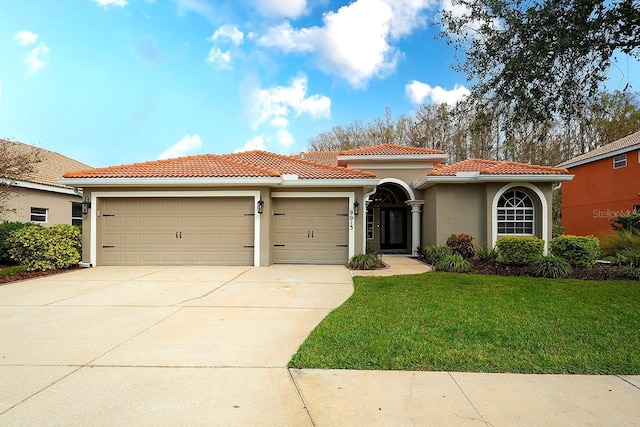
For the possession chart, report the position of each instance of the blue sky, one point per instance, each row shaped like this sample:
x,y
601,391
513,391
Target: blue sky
x,y
118,81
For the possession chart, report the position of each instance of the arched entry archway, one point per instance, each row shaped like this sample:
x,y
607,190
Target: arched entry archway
x,y
389,220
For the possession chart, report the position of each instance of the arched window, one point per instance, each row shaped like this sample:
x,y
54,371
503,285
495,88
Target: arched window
x,y
516,213
384,195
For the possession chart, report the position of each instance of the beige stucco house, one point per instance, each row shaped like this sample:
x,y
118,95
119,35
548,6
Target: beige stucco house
x,y
259,208
39,197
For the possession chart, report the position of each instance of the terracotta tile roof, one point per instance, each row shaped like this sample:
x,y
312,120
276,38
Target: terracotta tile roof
x,y
593,155
326,157
206,165
492,167
50,167
247,164
303,168
387,150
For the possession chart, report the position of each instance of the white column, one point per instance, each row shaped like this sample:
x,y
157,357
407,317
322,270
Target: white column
x,y
416,209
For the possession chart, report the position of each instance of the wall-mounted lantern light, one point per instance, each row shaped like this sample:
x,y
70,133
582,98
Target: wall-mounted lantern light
x,y
356,207
86,204
260,206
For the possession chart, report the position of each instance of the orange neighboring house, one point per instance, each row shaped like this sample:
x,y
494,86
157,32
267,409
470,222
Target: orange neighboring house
x,y
606,184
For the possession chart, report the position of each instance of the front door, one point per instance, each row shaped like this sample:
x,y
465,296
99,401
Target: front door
x,y
393,228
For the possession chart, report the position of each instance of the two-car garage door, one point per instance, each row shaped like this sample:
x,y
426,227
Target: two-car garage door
x,y
176,231
220,230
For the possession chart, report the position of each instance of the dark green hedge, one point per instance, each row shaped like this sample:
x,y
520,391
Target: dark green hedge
x,y
579,251
519,250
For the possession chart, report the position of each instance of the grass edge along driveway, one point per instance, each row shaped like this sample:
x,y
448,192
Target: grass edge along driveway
x,y
476,323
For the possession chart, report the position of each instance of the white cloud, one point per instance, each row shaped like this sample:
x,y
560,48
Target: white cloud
x,y
37,58
356,42
281,8
279,122
184,147
280,101
459,11
419,92
285,138
219,59
25,37
200,7
228,32
108,3
256,143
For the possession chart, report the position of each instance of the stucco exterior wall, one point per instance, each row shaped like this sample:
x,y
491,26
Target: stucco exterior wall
x,y
58,205
429,227
460,209
599,192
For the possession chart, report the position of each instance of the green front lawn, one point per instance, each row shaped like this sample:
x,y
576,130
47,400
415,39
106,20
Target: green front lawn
x,y
477,323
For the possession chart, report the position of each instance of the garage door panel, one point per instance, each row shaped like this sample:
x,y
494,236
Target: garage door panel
x,y
308,229
214,231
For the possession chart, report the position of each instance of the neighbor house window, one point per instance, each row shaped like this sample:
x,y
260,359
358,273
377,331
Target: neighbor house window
x,y
620,161
515,213
39,214
76,213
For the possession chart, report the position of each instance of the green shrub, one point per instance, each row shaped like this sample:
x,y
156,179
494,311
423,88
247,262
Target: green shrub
x,y
368,261
453,264
519,250
629,222
628,257
485,254
579,251
46,248
6,230
631,273
434,253
551,267
617,241
461,244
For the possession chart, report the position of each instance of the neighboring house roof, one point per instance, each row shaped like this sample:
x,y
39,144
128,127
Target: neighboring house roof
x,y
326,157
478,170
50,166
620,146
388,150
252,164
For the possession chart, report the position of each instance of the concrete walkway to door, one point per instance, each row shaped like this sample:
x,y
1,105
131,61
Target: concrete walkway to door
x,y
114,346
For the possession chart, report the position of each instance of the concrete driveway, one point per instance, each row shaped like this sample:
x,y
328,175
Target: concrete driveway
x,y
161,345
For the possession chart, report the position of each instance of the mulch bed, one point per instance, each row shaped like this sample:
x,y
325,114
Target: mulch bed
x,y
597,272
8,278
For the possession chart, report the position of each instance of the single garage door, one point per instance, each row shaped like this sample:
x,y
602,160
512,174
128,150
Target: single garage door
x,y
311,230
176,231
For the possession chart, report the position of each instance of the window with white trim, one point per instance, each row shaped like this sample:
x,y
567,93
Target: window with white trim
x,y
39,215
619,161
516,213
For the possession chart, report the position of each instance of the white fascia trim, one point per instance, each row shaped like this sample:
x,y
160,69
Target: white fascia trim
x,y
396,157
41,187
543,203
327,194
97,195
600,157
164,182
364,182
429,180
